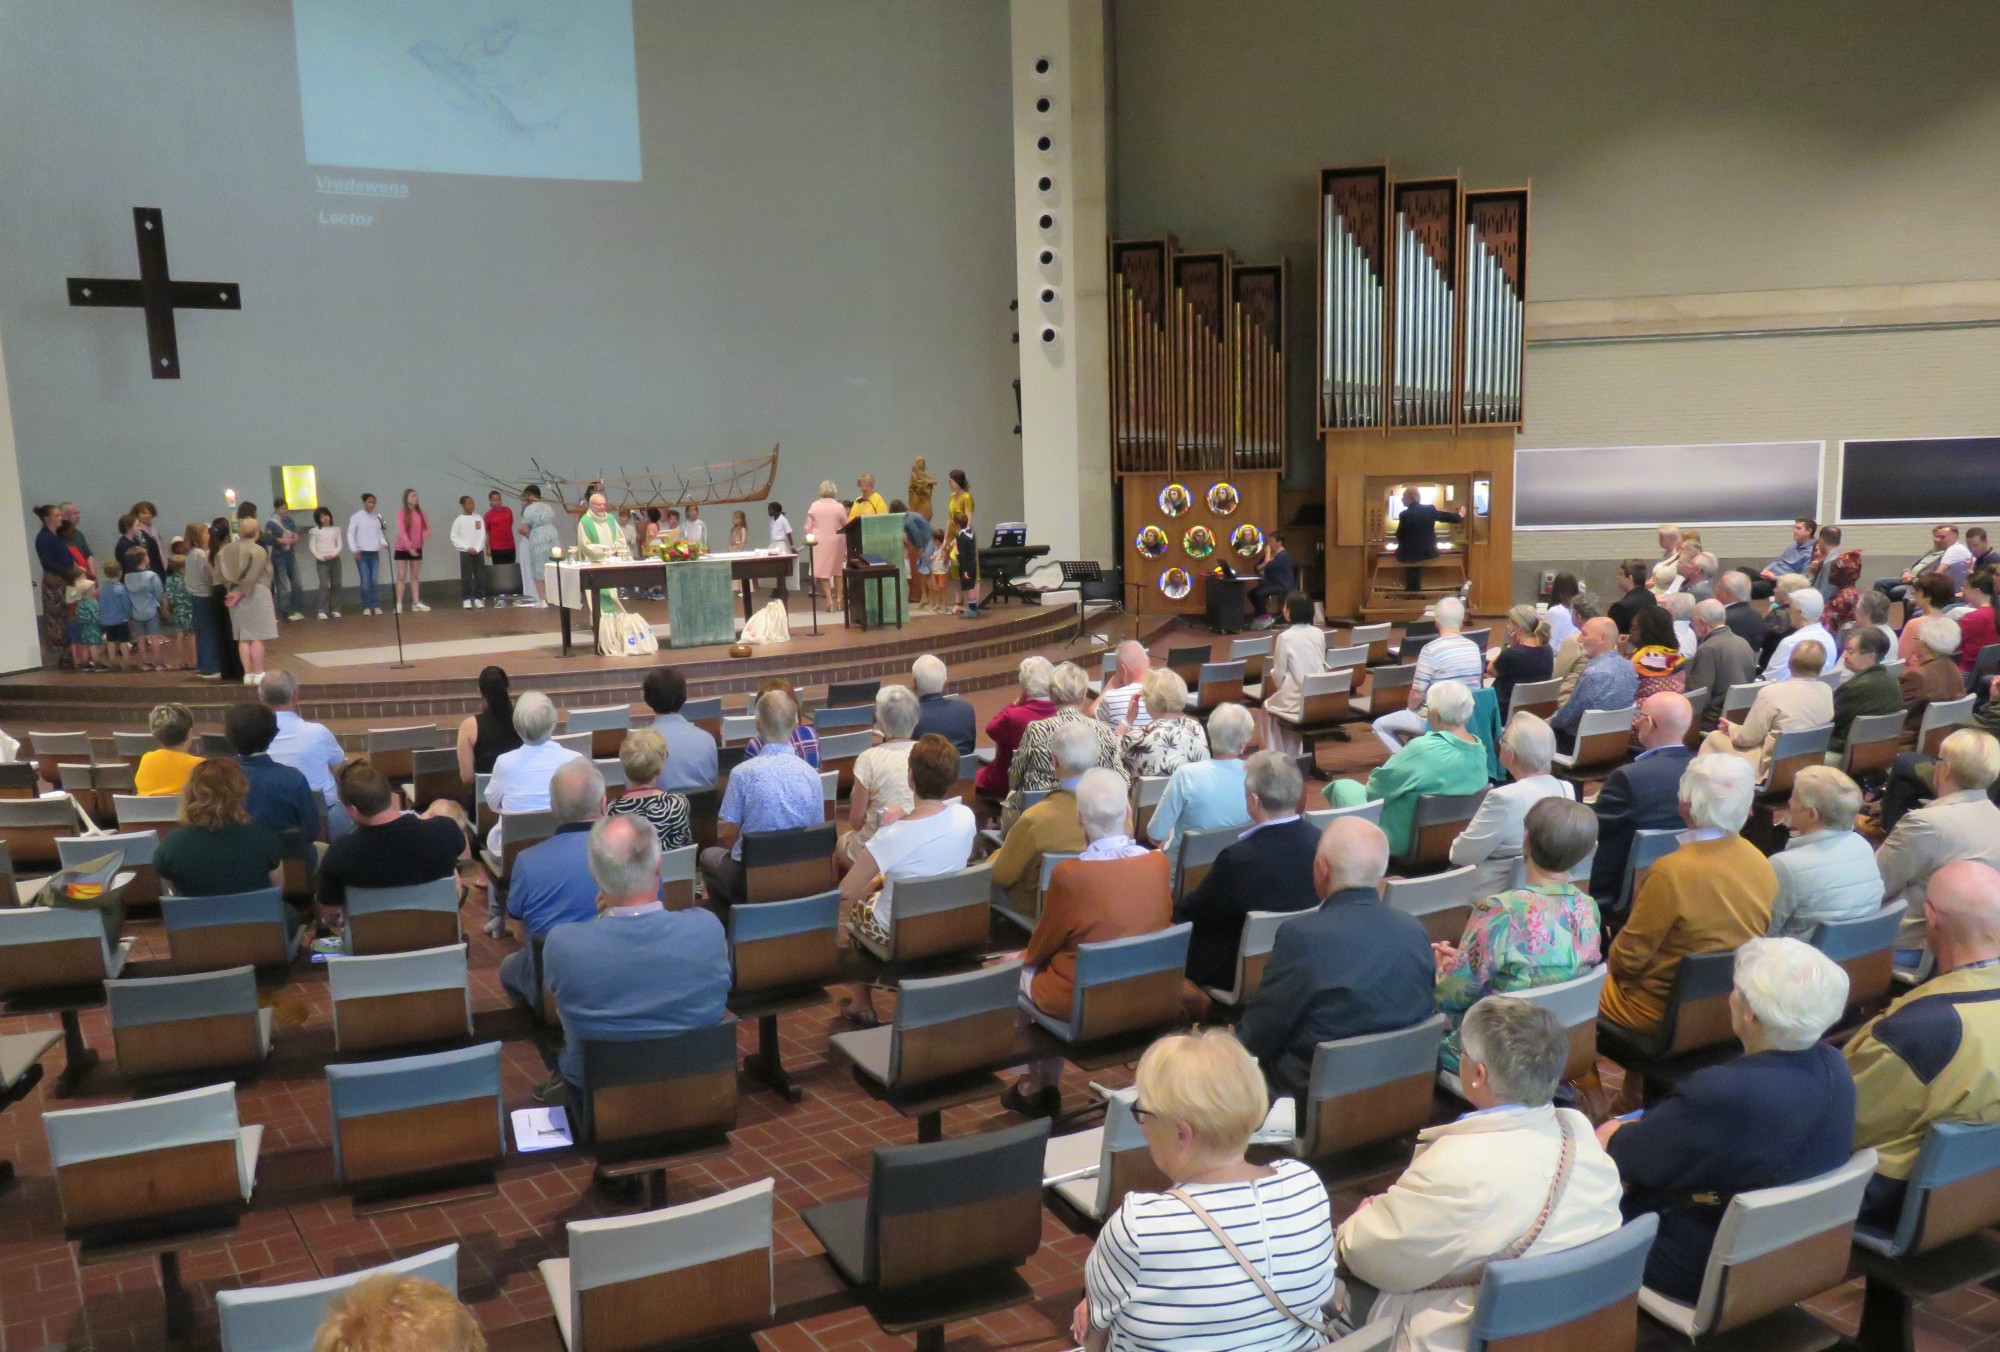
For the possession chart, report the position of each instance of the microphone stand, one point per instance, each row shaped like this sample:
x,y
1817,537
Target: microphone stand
x,y
395,602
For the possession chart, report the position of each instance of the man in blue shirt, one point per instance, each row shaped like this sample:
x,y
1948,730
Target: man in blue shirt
x,y
636,970
551,885
946,715
1794,560
691,754
772,791
1607,680
280,798
280,538
309,748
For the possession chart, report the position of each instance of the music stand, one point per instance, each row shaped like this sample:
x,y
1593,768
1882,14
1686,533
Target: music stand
x,y
1077,572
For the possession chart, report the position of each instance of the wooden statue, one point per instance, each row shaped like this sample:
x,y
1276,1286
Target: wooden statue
x,y
921,484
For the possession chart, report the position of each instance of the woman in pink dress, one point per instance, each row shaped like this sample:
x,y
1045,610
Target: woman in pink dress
x,y
824,520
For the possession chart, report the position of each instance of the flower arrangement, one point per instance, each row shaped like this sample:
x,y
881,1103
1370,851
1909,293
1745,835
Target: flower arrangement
x,y
678,551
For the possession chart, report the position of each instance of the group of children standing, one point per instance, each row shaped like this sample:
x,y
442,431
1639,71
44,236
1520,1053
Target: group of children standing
x,y
119,622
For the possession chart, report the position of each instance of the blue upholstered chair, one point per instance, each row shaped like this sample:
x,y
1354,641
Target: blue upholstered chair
x,y
1574,1003
1792,752
1093,1170
285,1318
401,919
1253,950
644,1098
1586,1296
666,1278
1122,986
936,917
1219,683
253,929
839,751
1865,948
705,713
1440,902
1694,1031
1002,901
137,877
417,1115
1370,1088
1940,1241
394,999
173,1025
1436,820
946,1029
31,827
1603,739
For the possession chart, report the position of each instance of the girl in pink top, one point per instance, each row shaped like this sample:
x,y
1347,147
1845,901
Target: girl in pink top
x,y
412,529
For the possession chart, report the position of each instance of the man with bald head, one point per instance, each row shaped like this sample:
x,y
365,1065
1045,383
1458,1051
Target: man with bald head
x,y
1934,1055
1607,680
550,884
1722,658
1351,967
1642,796
1120,701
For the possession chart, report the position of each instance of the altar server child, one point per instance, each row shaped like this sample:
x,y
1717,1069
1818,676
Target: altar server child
x,y
146,593
781,540
86,622
693,529
114,607
739,533
935,567
468,538
180,608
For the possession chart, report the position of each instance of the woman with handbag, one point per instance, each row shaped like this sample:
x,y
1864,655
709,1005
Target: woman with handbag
x,y
1236,1255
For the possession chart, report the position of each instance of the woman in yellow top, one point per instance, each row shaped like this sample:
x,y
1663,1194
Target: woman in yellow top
x,y
165,771
961,497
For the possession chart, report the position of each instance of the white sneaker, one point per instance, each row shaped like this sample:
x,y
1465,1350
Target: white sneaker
x,y
335,614
251,678
479,605
322,614
465,605
295,615
419,606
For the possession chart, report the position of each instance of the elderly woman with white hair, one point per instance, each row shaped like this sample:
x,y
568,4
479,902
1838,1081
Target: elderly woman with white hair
x,y
1049,827
1169,738
1781,1113
881,773
1492,839
1114,889
1792,703
1006,728
1826,871
520,779
1160,1275
1033,769
1206,793
1711,894
1489,1186
1448,759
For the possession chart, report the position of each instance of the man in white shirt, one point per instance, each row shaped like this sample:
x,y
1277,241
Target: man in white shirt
x,y
1956,561
366,540
520,779
693,529
1806,607
468,539
1122,689
1493,838
1448,657
309,748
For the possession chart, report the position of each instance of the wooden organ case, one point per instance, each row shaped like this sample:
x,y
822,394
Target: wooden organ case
x,y
1421,301
1197,415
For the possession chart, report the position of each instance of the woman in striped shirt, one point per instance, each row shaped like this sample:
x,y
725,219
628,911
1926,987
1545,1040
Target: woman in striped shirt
x,y
1159,1279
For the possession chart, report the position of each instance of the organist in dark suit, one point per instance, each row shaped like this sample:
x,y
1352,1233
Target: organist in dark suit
x,y
1416,535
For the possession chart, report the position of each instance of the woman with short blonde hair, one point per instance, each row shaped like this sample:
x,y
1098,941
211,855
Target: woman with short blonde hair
x,y
643,754
395,1312
165,769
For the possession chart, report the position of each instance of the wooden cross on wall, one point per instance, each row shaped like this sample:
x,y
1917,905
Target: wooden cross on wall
x,y
156,293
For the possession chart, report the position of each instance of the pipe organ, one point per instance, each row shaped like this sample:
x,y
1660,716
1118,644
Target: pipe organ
x,y
1496,275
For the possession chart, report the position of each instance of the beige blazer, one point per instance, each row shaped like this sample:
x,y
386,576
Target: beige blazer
x,y
1781,706
1962,825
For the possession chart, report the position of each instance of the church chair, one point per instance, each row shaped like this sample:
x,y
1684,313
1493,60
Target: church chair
x,y
839,751
948,1036
1574,1003
1091,1171
677,1277
1220,683
31,826
738,728
1339,658
94,786
1441,902
704,805
392,750
285,1318
158,814
50,749
1253,652
245,929
213,745
705,714
607,728
399,999
1793,752
519,831
1373,637
1872,743
1146,793
130,746
19,780
829,794
1774,1248
1389,688
1186,662
576,742
613,771
1322,817
1603,740
849,694
57,958
1941,718
1253,951
1694,1032
433,775
782,954
1001,901
401,919
418,1120
677,870
1326,703
1195,854
1894,666
1415,634
1124,987
10,885
1540,698
1437,821
177,1025
504,581
1941,1241
1737,702
1985,666
860,716
939,917
154,1176
727,758
136,873
963,788
20,1071
1649,846
1865,948
646,1099
783,865
1478,638
484,818
941,1230
1371,1088
1581,1297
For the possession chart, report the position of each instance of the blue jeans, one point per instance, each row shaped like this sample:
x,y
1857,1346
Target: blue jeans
x,y
285,581
365,565
206,659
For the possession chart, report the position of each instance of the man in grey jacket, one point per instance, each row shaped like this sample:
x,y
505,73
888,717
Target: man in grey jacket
x,y
1721,659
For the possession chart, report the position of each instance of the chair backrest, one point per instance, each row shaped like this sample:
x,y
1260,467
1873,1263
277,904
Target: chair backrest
x,y
1125,1163
416,1114
1954,1187
1478,638
52,948
138,849
30,827
51,747
1340,658
205,934
607,727
395,999
1778,1246
1322,817
1649,846
838,752
1370,1088
674,1276
646,1096
19,780
1865,948
774,945
172,1024
1252,652
797,862
1413,645
1196,854
1326,696
1942,717
1389,686
10,891
393,750
964,1205
943,914
1221,683
1436,821
1126,984
706,714
1440,902
133,744
1147,790
160,812
846,694
1186,662
677,870
860,716
285,1318
950,1024
1540,698
1253,951
1603,736
968,770
738,728
703,807
1373,637
582,743
434,775
1872,743
1739,699
1586,1296
1697,1013
613,771
1574,1003
1794,751
829,792
401,919
520,830
149,1159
